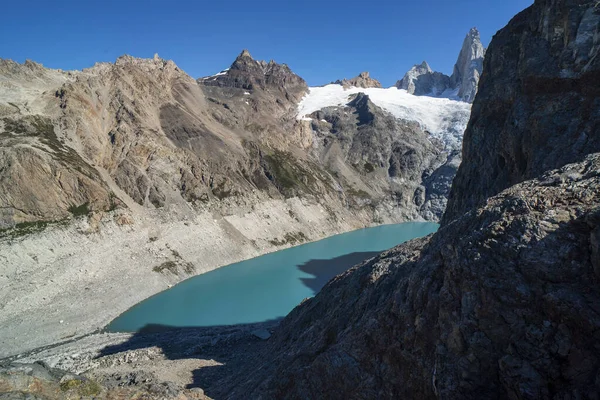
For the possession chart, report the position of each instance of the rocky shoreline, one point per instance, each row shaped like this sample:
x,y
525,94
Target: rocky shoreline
x,y
159,362
69,281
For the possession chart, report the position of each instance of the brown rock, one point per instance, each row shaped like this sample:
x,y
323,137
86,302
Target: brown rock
x,y
363,80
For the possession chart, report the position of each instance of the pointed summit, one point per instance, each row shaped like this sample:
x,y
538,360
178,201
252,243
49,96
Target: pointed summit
x,y
424,66
245,53
421,80
249,74
468,67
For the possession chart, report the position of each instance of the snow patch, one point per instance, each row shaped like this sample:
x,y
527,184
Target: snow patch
x,y
443,118
213,77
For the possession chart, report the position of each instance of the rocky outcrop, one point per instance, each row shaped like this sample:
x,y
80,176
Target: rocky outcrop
x,y
391,159
468,67
502,301
538,106
421,80
39,381
363,80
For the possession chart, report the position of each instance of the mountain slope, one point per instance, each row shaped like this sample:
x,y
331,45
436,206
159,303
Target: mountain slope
x,y
110,172
407,146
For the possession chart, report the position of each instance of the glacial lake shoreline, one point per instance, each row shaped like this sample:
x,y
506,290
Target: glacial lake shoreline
x,y
263,289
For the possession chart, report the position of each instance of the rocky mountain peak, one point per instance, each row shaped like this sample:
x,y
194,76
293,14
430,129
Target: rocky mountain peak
x,y
424,66
468,67
363,80
250,74
245,54
421,80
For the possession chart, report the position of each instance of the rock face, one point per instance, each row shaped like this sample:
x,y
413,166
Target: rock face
x,y
539,103
396,157
502,301
468,67
363,80
421,80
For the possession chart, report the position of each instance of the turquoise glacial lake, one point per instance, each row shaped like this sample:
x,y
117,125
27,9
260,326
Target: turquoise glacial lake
x,y
267,287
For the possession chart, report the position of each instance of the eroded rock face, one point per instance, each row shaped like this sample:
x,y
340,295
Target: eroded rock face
x,y
141,132
538,105
144,127
363,80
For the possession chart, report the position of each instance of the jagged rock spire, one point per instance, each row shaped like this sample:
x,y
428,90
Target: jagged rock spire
x,y
468,67
421,80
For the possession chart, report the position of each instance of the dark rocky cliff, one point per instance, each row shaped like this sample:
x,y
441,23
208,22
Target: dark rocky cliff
x,y
503,301
538,106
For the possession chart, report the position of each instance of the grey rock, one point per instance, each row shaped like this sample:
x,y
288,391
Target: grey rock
x,y
397,158
261,334
468,67
421,80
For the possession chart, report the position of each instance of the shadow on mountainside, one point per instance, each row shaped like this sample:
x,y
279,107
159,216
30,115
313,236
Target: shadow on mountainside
x,y
219,350
324,270
530,275
186,342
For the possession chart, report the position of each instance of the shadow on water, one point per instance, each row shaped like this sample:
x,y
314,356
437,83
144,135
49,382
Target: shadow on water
x,y
232,347
324,270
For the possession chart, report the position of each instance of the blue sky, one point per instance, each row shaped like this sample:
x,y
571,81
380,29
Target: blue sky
x,y
320,40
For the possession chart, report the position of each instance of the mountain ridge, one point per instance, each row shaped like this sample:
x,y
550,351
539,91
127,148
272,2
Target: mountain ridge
x,y
138,157
421,80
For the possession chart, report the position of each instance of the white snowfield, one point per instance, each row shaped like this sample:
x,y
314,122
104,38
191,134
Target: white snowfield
x,y
444,119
